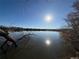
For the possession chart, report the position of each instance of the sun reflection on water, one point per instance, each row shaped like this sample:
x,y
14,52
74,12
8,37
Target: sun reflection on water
x,y
47,41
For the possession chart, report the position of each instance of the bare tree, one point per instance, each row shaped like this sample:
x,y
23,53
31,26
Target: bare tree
x,y
72,36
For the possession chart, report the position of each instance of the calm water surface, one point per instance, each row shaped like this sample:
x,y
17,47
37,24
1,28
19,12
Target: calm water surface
x,y
41,45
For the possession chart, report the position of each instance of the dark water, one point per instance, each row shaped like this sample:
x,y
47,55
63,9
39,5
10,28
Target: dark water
x,y
41,45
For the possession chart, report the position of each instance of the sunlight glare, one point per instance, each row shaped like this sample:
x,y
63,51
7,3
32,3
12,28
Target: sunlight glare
x,y
48,18
47,42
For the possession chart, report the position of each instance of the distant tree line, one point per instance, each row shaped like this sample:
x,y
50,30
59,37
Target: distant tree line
x,y
6,28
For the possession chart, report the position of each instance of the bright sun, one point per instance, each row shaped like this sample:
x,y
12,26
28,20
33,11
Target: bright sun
x,y
48,18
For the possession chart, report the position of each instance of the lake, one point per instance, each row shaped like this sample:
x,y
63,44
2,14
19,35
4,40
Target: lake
x,y
41,45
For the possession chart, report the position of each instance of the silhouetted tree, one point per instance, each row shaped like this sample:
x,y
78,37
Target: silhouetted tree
x,y
73,23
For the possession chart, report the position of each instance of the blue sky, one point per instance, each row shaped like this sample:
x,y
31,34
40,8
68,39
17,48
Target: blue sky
x,y
31,13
